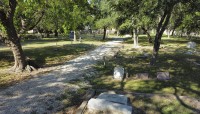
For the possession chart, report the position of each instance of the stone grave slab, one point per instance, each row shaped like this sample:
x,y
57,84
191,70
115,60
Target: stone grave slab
x,y
122,99
163,76
118,73
142,76
95,105
191,45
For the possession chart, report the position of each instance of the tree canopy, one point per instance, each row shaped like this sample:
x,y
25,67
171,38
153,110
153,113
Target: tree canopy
x,y
62,16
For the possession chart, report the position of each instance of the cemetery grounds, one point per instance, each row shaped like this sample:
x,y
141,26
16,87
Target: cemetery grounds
x,y
180,94
177,95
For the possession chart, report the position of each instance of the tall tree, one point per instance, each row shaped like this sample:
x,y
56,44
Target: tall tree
x,y
156,10
105,16
7,11
165,7
10,19
135,12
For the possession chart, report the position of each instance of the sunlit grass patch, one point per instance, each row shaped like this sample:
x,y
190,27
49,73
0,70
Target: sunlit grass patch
x,y
45,52
156,104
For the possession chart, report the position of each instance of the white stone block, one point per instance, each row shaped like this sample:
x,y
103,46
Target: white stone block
x,y
191,45
122,99
118,73
95,105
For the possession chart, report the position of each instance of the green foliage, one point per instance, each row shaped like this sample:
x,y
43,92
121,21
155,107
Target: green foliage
x,y
65,15
105,16
2,31
185,17
28,14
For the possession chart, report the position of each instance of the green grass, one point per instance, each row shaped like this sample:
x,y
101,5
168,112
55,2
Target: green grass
x,y
45,52
158,104
185,76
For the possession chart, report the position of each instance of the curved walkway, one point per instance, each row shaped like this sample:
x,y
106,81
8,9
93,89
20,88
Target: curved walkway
x,y
36,94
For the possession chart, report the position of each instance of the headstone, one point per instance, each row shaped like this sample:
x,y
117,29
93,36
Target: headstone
x,y
80,39
163,76
104,61
189,52
118,73
146,54
122,99
95,105
198,64
143,76
191,45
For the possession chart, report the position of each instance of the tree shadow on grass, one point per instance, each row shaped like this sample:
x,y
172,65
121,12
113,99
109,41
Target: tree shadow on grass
x,y
52,55
185,104
184,75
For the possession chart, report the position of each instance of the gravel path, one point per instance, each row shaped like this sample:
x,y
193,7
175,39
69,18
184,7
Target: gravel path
x,y
40,92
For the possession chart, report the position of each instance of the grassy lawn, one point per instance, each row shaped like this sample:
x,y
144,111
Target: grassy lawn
x,y
45,52
185,75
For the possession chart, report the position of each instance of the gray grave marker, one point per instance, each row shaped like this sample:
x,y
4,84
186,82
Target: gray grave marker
x,y
163,76
142,76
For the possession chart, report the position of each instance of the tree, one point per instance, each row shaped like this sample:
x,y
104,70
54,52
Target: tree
x,y
104,15
18,16
159,10
135,16
8,11
166,6
190,21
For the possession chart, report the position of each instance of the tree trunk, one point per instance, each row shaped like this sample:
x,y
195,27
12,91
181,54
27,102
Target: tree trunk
x,y
168,33
173,32
20,61
56,33
117,32
74,35
159,32
148,35
47,33
12,40
104,33
135,38
15,45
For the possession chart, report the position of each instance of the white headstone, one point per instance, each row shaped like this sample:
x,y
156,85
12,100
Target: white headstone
x,y
103,105
163,76
122,99
191,45
118,73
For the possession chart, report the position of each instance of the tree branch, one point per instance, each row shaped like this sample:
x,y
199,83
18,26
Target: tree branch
x,y
161,21
34,25
12,5
149,36
165,23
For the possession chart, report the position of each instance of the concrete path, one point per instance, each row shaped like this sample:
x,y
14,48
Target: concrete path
x,y
40,92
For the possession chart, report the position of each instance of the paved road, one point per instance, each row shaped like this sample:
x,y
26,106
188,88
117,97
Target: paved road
x,y
40,92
